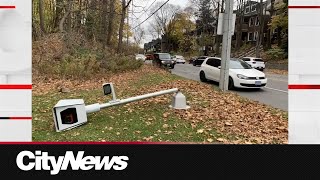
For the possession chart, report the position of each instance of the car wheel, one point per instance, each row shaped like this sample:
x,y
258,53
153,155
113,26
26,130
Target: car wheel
x,y
194,63
230,84
183,63
203,76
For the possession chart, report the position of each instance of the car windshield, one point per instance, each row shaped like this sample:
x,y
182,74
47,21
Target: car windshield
x,y
165,56
239,64
259,60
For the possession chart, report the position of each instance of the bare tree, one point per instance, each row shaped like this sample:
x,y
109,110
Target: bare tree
x,y
110,21
41,17
240,14
138,35
162,18
271,11
123,16
67,13
260,32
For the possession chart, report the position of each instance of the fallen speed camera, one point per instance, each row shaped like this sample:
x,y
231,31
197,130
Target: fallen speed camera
x,y
69,114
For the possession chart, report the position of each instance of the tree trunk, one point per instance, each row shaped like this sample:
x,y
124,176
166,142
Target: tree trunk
x,y
58,12
123,16
69,20
43,31
104,34
239,26
269,34
110,21
62,21
260,32
279,31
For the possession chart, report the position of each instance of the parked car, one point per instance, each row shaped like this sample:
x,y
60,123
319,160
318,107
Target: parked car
x,y
164,59
199,60
241,74
179,59
149,57
256,63
140,57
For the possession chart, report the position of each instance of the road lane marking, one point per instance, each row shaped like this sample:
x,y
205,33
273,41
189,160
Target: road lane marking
x,y
276,89
286,81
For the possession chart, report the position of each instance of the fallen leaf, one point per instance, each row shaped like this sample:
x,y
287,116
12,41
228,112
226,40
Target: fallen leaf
x,y
165,126
220,139
199,131
228,124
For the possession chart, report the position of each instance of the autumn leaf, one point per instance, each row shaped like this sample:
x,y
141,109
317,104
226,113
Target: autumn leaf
x,y
210,140
165,126
199,131
228,124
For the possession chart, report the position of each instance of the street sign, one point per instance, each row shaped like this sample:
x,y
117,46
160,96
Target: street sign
x,y
220,24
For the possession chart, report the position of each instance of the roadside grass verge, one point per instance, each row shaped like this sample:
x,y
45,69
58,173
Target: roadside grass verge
x,y
214,117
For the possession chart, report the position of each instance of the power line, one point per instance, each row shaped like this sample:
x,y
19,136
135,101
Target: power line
x,y
152,14
147,8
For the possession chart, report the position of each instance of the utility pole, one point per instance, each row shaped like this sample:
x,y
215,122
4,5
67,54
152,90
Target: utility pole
x,y
226,45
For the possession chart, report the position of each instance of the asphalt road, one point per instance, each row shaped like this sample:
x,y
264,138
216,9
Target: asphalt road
x,y
274,94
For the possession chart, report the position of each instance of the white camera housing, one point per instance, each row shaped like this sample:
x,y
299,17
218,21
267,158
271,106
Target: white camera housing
x,y
69,114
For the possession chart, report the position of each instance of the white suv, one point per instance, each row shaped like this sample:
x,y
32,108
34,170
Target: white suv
x,y
256,63
240,73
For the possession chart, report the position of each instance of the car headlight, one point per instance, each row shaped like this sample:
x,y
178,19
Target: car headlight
x,y
162,62
172,61
240,76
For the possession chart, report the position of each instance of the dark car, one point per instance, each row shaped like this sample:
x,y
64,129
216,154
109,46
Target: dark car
x,y
198,61
164,59
149,57
192,59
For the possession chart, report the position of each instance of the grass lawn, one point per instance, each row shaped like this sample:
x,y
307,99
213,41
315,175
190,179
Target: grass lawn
x,y
152,119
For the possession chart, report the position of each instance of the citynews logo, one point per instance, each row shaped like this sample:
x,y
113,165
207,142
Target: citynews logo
x,y
42,161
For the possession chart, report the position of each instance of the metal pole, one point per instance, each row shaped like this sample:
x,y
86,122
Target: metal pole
x,y
97,107
226,45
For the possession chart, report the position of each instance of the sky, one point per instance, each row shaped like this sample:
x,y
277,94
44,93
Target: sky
x,y
138,12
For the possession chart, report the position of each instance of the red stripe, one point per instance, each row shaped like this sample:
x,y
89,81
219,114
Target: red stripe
x,y
7,7
303,86
20,118
87,143
15,86
303,7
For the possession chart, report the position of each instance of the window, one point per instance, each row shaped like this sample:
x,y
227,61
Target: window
x,y
165,56
251,21
247,10
257,21
250,36
258,60
256,35
238,64
254,8
214,62
245,59
210,62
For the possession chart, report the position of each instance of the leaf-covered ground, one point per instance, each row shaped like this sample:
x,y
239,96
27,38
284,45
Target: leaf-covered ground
x,y
214,117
